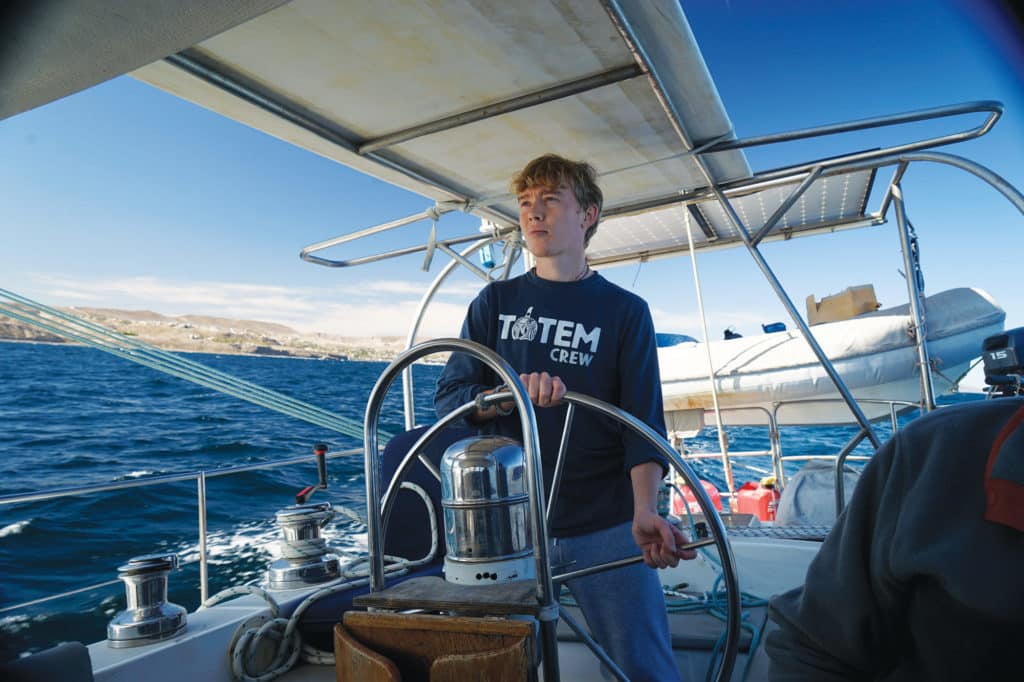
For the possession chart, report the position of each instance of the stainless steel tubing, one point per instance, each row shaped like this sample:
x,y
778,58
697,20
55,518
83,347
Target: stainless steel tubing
x,y
408,399
546,595
914,294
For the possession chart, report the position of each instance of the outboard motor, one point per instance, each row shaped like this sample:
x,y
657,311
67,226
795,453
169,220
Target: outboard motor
x,y
305,558
486,506
149,617
1003,357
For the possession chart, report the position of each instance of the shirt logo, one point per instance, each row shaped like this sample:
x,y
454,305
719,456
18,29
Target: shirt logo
x,y
525,328
570,340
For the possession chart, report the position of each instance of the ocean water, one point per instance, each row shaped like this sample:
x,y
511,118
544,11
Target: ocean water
x,y
72,416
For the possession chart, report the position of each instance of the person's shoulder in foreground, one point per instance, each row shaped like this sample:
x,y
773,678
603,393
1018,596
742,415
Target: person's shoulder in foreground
x,y
920,578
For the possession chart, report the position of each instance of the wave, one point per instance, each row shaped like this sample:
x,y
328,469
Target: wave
x,y
262,539
134,474
13,624
14,528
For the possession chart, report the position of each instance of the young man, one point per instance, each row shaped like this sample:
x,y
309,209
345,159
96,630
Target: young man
x,y
564,326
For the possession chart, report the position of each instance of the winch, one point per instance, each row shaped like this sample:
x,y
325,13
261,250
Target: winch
x,y
305,557
485,499
149,617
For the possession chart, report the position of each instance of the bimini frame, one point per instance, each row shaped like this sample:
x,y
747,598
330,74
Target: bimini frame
x,y
803,176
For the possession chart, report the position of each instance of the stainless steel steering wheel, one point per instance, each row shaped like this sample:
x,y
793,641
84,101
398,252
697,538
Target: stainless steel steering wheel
x,y
379,508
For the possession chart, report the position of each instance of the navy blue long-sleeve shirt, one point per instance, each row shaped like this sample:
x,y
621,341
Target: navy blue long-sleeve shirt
x,y
599,338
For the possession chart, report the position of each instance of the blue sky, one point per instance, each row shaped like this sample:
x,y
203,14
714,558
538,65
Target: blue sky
x,y
123,196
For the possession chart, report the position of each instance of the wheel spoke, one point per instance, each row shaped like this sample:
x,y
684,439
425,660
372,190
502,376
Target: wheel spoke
x,y
563,445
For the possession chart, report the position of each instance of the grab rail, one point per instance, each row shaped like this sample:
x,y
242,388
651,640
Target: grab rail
x,y
992,107
774,451
840,458
198,476
870,158
432,214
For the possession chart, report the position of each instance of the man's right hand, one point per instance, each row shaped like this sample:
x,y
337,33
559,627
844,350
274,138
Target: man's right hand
x,y
544,390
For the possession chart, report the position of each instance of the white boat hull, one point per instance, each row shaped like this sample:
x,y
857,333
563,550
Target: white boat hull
x,y
875,354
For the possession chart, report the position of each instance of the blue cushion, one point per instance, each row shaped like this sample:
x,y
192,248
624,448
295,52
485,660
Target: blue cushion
x,y
408,533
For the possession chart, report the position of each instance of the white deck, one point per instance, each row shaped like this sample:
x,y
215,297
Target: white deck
x,y
766,566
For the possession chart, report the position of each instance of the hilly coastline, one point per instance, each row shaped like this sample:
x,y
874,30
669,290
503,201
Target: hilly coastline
x,y
204,334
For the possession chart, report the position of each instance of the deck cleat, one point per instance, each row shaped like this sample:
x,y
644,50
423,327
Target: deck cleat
x,y
305,557
149,617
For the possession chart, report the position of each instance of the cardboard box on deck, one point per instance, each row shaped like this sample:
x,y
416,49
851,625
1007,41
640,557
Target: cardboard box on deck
x,y
850,302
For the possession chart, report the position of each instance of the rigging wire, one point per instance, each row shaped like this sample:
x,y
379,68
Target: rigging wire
x,y
97,336
723,441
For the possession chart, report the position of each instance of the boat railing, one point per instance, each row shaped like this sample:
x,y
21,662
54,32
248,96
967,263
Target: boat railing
x,y
775,451
727,455
839,460
496,233
199,477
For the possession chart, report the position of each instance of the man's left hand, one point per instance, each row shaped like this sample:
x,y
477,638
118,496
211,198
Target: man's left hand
x,y
659,540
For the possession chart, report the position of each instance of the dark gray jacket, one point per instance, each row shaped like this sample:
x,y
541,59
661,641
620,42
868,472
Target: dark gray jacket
x,y
913,582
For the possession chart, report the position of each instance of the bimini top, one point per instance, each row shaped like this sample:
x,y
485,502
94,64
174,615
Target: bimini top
x,y
449,98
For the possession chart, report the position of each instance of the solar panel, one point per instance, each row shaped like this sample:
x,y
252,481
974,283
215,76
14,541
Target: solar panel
x,y
831,202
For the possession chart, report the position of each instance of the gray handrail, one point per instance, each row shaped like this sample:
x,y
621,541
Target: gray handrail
x,y
408,399
433,213
993,108
839,460
844,163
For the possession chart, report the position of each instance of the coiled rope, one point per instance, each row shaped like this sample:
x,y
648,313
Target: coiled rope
x,y
283,633
715,603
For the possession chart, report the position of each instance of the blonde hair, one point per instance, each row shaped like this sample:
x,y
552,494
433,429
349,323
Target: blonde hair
x,y
551,170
